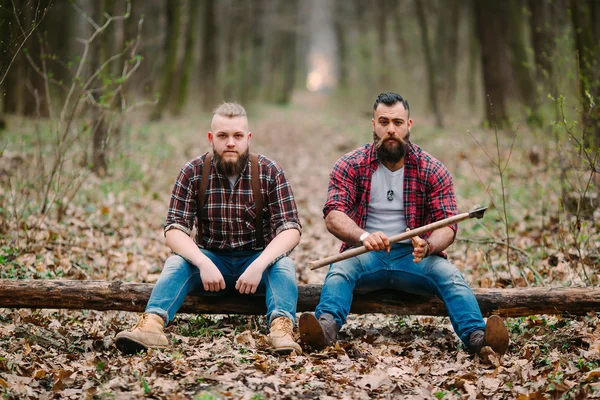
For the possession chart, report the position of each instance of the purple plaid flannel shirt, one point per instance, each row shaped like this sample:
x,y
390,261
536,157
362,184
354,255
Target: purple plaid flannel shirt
x,y
230,217
428,188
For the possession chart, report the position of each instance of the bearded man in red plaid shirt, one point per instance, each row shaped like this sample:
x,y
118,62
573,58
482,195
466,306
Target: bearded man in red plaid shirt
x,y
380,190
228,254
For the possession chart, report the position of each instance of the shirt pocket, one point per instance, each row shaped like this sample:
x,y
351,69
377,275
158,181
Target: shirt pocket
x,y
250,216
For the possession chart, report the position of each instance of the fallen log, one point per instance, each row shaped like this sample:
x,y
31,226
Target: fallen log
x,y
126,296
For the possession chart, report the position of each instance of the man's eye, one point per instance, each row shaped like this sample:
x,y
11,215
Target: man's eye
x,y
383,122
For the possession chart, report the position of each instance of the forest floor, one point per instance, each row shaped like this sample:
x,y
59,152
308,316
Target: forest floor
x,y
113,231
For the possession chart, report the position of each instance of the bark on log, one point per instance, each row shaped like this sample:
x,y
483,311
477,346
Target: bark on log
x,y
125,296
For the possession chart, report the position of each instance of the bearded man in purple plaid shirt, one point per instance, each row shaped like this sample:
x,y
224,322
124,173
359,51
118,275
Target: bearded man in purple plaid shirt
x,y
227,255
380,190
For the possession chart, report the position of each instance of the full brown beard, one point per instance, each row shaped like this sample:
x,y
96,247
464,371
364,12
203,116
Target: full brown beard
x,y
391,155
231,168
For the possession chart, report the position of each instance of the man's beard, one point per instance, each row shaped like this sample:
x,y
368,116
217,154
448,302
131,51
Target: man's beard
x,y
393,155
231,168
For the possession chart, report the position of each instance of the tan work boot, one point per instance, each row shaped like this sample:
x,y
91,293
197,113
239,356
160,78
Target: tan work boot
x,y
147,333
281,336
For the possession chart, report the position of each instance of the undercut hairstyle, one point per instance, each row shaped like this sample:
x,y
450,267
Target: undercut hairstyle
x,y
389,99
230,110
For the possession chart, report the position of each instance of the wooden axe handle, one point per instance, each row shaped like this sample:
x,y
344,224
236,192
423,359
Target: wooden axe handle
x,y
398,238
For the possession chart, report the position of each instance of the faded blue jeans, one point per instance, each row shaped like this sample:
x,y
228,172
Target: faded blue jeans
x,y
179,277
434,275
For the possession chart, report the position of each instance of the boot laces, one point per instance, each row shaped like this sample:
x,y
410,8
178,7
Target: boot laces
x,y
141,322
283,324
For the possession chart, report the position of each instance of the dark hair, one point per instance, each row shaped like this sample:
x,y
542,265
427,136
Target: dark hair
x,y
389,99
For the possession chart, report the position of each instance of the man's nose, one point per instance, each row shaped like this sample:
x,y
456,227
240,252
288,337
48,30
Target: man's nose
x,y
230,142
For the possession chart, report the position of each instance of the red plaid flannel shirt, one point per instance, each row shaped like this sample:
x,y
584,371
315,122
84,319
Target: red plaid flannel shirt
x,y
428,188
230,216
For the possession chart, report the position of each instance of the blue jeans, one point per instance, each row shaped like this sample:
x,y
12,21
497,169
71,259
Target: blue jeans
x,y
396,270
179,277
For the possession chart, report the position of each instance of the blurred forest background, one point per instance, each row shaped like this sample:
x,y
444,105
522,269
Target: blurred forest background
x,y
500,58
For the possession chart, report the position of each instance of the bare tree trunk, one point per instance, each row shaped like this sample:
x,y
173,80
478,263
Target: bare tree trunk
x,y
474,56
100,127
25,92
232,45
542,40
340,17
584,14
253,79
445,55
288,65
429,63
520,63
452,61
363,11
209,62
170,67
491,21
246,88
272,51
383,68
188,57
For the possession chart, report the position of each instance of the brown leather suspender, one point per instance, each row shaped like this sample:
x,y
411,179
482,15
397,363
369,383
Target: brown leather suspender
x,y
258,199
202,196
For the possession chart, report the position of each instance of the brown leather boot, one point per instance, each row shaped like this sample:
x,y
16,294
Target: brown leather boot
x,y
495,336
147,333
318,333
281,336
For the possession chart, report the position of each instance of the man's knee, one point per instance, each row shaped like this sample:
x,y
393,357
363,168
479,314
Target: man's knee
x,y
350,270
175,264
284,266
175,261
442,269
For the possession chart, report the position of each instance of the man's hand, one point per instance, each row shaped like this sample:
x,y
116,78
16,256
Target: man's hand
x,y
420,248
377,241
249,281
212,279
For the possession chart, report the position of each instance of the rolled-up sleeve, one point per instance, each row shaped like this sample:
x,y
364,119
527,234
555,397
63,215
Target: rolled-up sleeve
x,y
441,198
341,193
282,206
182,207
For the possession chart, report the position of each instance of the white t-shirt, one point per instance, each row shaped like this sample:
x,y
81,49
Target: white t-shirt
x,y
386,206
232,180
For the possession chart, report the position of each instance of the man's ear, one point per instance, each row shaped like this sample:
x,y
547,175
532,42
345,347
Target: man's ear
x,y
210,137
249,137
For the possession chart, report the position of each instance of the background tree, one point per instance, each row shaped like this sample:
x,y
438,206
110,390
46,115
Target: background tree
x,y
521,66
209,61
585,16
171,62
429,63
492,26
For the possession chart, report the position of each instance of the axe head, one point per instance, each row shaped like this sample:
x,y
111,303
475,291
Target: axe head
x,y
477,212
